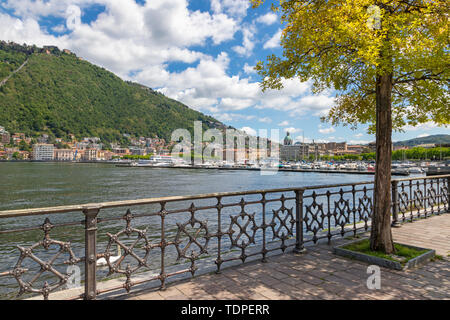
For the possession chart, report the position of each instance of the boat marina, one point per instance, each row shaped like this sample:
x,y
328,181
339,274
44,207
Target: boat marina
x,y
361,167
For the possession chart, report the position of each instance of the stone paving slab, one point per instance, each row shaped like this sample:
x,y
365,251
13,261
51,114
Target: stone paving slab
x,y
319,274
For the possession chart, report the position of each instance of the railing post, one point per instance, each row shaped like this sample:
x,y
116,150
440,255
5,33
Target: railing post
x,y
448,194
394,185
90,249
299,247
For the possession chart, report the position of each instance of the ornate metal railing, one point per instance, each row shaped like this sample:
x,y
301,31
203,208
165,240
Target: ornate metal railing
x,y
161,238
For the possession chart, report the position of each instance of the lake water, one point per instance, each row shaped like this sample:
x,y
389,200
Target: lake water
x,y
32,185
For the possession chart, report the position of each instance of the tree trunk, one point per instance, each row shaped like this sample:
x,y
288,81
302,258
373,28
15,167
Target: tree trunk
x,y
381,235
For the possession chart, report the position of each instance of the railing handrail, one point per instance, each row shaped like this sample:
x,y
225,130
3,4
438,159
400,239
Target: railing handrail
x,y
145,201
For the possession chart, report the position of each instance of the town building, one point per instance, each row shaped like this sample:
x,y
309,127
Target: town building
x,y
121,151
64,154
18,137
138,151
90,155
43,152
295,152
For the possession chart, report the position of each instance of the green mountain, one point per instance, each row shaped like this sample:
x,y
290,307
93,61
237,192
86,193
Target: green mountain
x,y
46,90
436,139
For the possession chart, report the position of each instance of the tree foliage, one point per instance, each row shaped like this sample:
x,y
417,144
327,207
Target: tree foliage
x,y
344,45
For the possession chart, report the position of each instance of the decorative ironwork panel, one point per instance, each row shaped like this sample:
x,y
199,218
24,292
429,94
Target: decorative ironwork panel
x,y
444,195
365,208
245,223
46,266
341,212
403,203
201,232
115,264
282,223
314,217
418,201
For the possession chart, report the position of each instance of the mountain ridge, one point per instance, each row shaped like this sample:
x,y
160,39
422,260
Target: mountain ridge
x,y
436,139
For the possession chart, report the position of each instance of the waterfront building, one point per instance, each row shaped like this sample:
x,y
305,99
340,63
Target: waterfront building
x,y
336,147
43,152
121,151
357,148
90,155
64,154
24,155
107,155
293,152
138,151
296,152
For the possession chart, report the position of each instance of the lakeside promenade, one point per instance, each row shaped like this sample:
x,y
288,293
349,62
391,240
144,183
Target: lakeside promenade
x,y
320,275
317,274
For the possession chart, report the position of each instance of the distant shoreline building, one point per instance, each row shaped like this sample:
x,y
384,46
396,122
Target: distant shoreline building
x,y
64,154
43,152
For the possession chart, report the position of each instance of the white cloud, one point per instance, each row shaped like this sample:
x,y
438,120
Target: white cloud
x,y
358,135
273,42
292,130
359,141
424,126
327,130
423,135
59,28
126,36
268,19
247,41
225,117
323,130
283,123
265,120
319,105
249,69
249,131
234,8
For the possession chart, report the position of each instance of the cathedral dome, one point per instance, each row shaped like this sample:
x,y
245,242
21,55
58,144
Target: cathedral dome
x,y
288,140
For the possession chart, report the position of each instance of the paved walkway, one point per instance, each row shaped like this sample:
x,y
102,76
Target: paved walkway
x,y
319,274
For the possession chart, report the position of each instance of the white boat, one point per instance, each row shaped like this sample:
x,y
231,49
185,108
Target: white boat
x,y
415,170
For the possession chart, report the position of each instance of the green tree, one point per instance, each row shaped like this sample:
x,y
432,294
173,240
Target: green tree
x,y
388,61
23,146
16,156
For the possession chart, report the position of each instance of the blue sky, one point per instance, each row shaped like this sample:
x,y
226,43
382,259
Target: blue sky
x,y
199,52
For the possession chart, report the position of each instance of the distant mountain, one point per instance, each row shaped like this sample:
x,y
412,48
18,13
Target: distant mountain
x,y
46,90
436,139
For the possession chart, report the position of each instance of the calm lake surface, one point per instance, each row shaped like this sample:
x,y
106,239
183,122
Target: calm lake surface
x,y
32,185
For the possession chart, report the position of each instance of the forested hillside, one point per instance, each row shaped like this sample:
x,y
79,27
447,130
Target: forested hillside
x,y
60,94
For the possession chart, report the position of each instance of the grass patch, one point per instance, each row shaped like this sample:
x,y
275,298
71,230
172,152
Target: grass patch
x,y
437,257
402,254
